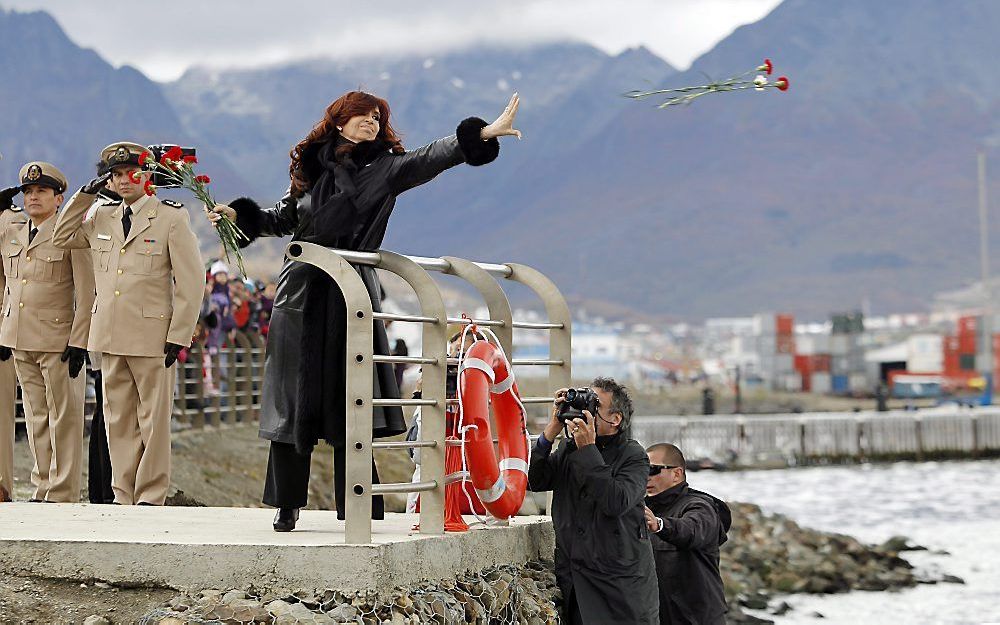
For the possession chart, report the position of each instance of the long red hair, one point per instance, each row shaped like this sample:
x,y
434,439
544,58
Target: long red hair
x,y
351,104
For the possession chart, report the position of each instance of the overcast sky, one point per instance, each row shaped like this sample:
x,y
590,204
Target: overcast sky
x,y
163,38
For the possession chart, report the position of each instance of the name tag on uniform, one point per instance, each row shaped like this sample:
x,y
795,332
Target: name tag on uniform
x,y
104,237
149,240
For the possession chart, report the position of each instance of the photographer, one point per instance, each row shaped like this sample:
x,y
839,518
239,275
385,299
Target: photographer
x,y
603,559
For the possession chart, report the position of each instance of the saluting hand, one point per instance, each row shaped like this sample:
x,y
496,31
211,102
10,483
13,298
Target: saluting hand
x,y
76,357
97,184
504,125
7,199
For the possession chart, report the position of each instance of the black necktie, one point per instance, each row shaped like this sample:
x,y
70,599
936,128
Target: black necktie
x,y
127,220
31,234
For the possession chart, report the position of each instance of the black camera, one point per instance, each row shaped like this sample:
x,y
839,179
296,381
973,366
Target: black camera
x,y
157,152
576,401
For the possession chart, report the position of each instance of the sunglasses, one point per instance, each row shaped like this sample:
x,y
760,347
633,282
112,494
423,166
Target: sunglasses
x,y
655,469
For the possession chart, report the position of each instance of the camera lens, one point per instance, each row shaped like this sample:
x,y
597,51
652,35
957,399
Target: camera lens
x,y
571,395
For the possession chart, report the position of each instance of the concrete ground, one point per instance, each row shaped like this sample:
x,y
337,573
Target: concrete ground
x,y
196,548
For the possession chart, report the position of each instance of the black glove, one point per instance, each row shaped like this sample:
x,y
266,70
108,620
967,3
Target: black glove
x,y
76,357
96,184
6,353
7,197
171,350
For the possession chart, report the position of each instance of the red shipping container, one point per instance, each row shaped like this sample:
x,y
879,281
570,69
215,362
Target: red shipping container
x,y
967,343
967,325
803,364
821,363
784,324
785,344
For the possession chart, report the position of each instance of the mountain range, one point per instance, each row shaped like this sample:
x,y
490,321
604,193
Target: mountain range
x,y
859,182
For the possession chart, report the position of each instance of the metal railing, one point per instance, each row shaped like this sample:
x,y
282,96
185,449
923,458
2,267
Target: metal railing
x,y
433,319
216,386
829,437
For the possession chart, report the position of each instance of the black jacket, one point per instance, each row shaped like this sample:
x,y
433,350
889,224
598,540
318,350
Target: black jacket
x,y
687,555
348,207
603,555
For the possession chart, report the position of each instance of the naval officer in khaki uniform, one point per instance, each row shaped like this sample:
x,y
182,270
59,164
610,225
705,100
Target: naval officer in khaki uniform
x,y
8,382
150,280
45,320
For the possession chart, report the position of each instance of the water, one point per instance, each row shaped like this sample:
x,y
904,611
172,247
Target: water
x,y
950,506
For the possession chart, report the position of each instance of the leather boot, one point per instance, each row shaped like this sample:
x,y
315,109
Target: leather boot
x,y
285,518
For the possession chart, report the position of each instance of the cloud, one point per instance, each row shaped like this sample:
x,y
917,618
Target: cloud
x,y
164,42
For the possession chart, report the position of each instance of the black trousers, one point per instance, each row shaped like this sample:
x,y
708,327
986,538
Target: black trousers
x,y
287,481
98,456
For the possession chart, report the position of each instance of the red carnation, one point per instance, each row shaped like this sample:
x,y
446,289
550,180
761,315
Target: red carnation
x,y
203,179
175,153
133,177
143,157
149,188
782,83
190,158
768,67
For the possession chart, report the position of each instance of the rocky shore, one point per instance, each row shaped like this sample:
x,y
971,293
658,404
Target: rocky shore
x,y
767,556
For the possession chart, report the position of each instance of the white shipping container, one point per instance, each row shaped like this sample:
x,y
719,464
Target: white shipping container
x,y
784,363
858,383
821,383
791,382
810,344
764,323
840,344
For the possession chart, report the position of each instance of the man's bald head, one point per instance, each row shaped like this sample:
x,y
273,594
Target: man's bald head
x,y
665,453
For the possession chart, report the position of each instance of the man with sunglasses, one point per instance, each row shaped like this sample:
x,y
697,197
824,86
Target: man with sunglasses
x,y
603,558
688,527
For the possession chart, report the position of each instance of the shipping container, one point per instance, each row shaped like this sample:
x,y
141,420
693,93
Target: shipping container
x,y
967,326
851,323
790,382
839,365
967,343
858,383
840,344
784,325
784,363
785,344
820,383
820,363
839,384
763,323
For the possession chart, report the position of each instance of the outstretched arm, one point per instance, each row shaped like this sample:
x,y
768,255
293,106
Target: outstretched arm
x,y
474,142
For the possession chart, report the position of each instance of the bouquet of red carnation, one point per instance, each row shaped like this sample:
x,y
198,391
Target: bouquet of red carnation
x,y
178,168
685,95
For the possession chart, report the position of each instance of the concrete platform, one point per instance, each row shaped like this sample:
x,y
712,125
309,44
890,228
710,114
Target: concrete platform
x,y
198,548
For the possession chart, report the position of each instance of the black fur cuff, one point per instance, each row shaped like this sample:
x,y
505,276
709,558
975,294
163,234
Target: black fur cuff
x,y
475,150
248,218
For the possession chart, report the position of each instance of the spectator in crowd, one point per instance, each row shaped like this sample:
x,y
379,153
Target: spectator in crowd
x,y
688,526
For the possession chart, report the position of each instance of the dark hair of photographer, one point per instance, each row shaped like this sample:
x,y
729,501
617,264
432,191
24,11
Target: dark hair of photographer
x,y
604,558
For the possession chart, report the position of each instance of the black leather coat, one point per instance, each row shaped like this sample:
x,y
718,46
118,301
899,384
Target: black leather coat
x,y
603,553
348,207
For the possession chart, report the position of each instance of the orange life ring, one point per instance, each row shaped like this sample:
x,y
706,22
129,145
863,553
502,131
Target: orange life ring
x,y
500,485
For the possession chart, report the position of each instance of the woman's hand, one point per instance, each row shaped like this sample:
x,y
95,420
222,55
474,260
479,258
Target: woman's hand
x,y
216,213
504,125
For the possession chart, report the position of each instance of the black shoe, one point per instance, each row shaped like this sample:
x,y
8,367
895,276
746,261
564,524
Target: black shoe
x,y
284,520
36,501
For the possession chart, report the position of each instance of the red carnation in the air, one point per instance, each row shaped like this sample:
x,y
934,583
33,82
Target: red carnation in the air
x,y
767,67
149,188
782,83
143,158
173,154
190,158
203,179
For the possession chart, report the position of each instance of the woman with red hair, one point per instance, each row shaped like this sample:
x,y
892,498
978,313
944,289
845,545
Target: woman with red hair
x,y
345,177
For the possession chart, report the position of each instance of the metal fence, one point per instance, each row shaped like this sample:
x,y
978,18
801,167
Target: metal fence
x,y
223,385
433,320
826,437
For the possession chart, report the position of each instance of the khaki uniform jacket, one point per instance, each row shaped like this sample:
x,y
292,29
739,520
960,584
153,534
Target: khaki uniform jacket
x,y
149,285
49,292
